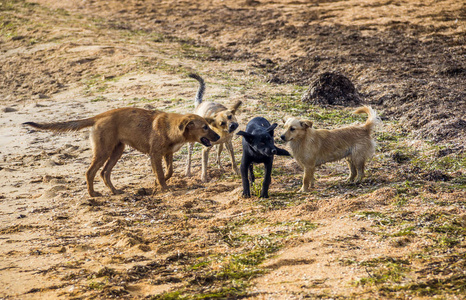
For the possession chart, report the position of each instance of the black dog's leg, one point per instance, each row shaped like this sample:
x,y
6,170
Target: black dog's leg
x,y
267,178
251,173
245,164
282,152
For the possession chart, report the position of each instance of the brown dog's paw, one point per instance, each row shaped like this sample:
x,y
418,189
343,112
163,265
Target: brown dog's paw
x,y
95,194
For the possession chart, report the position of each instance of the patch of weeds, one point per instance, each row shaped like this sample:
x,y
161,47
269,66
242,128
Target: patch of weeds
x,y
98,99
298,226
97,285
408,231
256,188
384,270
379,218
455,285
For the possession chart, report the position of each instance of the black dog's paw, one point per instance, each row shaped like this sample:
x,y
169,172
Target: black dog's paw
x,y
246,195
264,196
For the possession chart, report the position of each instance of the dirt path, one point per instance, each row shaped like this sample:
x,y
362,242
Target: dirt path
x,y
398,235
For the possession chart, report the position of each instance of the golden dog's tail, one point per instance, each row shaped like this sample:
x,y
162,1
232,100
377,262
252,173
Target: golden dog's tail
x,y
372,120
200,91
74,125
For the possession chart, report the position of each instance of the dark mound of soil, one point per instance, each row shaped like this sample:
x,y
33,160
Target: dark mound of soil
x,y
332,89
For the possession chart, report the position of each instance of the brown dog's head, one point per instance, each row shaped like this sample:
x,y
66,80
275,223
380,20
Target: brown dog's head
x,y
196,129
225,121
295,129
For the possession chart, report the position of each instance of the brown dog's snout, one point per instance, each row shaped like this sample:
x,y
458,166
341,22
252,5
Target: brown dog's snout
x,y
214,137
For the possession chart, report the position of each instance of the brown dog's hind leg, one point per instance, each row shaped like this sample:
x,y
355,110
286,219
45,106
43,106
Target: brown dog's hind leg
x,y
169,164
97,162
105,174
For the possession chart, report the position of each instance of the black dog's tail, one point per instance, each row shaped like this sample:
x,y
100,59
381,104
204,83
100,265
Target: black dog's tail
x,y
63,126
282,152
200,91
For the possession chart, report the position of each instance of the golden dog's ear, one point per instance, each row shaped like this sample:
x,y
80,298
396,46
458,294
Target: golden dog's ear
x,y
235,107
210,121
283,118
305,124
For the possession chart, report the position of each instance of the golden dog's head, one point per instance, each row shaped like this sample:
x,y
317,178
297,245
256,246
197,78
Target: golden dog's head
x,y
295,129
196,129
225,121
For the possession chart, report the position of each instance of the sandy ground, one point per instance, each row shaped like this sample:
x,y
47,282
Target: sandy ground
x,y
400,234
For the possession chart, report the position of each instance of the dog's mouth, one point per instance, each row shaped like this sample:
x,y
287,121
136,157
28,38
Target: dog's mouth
x,y
205,141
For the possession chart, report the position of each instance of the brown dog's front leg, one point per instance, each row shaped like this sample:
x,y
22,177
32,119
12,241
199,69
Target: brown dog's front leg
x,y
169,164
156,162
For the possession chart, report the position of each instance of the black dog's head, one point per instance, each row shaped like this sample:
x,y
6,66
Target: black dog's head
x,y
261,140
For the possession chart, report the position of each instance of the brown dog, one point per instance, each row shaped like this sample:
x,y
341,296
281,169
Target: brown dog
x,y
153,132
222,120
313,147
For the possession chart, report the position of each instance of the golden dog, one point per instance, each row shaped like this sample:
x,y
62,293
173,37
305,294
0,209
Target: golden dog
x,y
313,147
153,132
223,121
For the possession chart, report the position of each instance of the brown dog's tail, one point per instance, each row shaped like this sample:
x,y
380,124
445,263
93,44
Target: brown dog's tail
x,y
372,120
63,126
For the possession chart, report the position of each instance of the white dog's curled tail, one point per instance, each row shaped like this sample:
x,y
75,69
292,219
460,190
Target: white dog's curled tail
x,y
373,119
200,91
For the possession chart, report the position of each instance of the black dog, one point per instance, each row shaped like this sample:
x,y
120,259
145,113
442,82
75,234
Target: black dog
x,y
258,148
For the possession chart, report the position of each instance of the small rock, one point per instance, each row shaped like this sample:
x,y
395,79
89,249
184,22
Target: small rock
x,y
9,109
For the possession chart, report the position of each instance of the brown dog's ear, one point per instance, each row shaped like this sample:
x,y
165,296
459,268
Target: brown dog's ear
x,y
187,121
306,124
235,107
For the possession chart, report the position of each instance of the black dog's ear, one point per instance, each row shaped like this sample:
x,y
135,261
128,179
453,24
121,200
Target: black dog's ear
x,y
245,134
282,152
272,127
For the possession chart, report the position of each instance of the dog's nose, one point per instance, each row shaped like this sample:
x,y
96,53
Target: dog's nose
x,y
232,127
274,151
216,137
282,137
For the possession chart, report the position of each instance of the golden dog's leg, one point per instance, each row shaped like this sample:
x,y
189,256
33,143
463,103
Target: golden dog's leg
x,y
229,147
308,179
156,162
188,163
205,162
105,174
219,151
360,168
169,164
353,170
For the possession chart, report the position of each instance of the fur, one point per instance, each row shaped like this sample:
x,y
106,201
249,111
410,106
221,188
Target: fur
x,y
153,132
314,147
222,120
258,147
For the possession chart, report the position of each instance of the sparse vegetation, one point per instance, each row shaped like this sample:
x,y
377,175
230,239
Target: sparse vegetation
x,y
399,234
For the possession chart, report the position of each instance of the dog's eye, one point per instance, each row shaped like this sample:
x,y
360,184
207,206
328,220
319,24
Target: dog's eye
x,y
291,129
222,124
229,117
205,127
